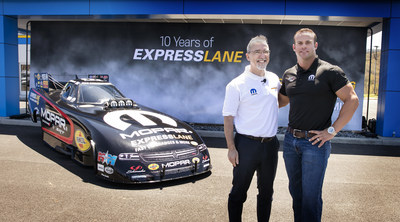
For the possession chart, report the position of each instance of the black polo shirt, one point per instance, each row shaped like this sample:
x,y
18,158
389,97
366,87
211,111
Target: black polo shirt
x,y
312,94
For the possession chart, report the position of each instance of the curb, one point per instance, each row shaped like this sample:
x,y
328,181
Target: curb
x,y
18,122
380,141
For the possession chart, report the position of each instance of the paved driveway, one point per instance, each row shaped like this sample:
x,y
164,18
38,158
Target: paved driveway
x,y
38,184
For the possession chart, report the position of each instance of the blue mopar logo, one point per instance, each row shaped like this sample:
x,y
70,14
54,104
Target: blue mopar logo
x,y
253,91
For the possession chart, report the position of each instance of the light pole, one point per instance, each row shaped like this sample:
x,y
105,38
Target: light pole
x,y
376,60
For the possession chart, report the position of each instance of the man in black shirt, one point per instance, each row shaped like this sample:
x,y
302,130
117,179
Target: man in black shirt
x,y
312,87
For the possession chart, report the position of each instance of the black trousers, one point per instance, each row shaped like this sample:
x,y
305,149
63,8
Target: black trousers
x,y
254,156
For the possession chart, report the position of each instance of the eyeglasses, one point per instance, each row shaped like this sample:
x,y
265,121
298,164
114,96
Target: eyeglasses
x,y
259,52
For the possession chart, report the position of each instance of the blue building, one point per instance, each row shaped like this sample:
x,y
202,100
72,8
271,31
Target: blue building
x,y
383,15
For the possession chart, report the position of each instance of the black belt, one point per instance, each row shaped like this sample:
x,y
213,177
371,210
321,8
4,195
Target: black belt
x,y
300,133
261,139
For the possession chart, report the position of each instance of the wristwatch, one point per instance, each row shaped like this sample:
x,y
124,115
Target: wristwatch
x,y
331,130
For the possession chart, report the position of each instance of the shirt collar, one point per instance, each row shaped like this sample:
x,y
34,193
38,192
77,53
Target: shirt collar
x,y
313,66
254,76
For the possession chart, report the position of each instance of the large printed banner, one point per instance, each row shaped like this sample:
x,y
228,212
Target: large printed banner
x,y
182,69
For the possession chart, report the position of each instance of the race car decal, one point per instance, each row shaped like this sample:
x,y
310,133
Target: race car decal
x,y
107,158
107,169
153,166
176,163
195,160
34,98
67,138
205,159
53,119
114,118
81,142
136,169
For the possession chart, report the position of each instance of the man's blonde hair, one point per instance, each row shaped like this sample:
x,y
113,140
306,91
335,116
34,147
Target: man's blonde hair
x,y
305,30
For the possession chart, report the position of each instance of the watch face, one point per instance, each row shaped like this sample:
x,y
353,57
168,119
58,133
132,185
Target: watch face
x,y
331,130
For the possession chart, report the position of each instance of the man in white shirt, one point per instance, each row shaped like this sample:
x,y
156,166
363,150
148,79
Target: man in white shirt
x,y
251,107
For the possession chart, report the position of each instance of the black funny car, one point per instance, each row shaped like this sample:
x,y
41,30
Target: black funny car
x,y
93,122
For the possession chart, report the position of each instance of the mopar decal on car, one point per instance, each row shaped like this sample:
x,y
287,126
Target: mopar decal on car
x,y
52,119
176,163
94,123
114,118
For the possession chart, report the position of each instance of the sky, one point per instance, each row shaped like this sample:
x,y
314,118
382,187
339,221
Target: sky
x,y
376,40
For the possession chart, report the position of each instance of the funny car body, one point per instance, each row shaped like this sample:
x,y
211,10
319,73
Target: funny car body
x,y
93,122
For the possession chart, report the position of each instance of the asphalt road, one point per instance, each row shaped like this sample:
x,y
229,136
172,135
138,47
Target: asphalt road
x,y
38,184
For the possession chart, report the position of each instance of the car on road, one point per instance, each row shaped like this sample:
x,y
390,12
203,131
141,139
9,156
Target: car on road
x,y
90,120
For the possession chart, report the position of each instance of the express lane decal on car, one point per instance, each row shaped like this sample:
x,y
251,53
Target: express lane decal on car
x,y
149,138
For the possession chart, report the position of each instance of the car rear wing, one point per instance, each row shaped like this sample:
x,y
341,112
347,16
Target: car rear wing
x,y
45,81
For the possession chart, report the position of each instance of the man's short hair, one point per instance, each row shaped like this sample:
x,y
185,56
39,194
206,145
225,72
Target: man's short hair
x,y
305,30
257,39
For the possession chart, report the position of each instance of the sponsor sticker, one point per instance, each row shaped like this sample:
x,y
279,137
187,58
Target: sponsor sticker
x,y
196,160
153,166
81,141
109,170
106,158
135,169
100,167
205,159
128,156
194,143
35,98
176,163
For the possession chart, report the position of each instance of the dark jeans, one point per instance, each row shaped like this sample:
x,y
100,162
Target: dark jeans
x,y
305,166
254,156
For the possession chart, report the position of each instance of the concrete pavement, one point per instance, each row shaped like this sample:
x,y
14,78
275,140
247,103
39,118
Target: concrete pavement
x,y
39,184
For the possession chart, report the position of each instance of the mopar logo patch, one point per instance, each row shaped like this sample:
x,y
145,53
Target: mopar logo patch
x,y
253,92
